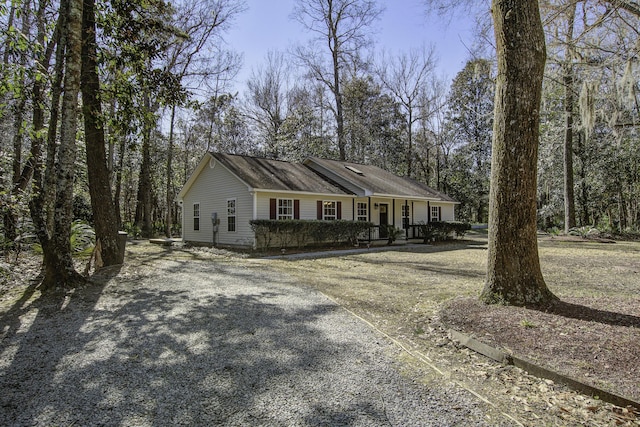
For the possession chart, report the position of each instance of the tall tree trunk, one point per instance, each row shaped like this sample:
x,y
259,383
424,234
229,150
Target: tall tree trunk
x,y
567,79
118,181
513,269
144,199
43,189
59,269
105,221
569,198
338,97
10,216
583,195
409,154
170,196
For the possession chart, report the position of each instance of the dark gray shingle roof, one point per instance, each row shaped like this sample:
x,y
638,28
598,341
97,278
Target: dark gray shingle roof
x,y
379,181
267,174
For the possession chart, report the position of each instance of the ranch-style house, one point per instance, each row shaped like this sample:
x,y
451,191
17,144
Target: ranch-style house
x,y
227,191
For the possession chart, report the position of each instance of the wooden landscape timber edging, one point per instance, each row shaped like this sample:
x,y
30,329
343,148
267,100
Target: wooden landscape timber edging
x,y
162,242
539,371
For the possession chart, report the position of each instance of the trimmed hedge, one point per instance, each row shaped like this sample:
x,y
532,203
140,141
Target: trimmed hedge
x,y
299,232
443,230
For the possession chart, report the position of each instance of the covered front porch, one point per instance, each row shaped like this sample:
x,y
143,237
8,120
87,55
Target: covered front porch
x,y
400,213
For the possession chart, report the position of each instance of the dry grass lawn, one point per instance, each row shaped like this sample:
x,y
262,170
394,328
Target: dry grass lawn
x,y
408,293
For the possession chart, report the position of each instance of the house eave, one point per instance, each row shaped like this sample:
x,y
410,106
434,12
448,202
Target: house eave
x,y
302,193
398,196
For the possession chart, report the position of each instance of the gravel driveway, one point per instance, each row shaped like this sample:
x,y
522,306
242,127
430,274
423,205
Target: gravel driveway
x,y
183,338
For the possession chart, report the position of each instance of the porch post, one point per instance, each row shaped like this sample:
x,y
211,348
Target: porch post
x,y
353,209
406,212
393,212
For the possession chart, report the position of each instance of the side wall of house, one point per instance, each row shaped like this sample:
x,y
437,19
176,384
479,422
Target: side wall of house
x,y
447,211
212,189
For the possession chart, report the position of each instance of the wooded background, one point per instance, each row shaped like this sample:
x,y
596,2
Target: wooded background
x,y
156,85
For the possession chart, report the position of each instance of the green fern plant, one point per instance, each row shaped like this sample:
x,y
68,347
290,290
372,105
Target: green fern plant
x,y
82,240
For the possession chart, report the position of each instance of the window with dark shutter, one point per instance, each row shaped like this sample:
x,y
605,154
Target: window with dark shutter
x,y
339,210
296,209
272,208
319,209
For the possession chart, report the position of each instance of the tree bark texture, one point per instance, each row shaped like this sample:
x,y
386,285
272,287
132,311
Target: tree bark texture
x,y
513,270
144,202
59,269
169,187
569,197
104,217
567,80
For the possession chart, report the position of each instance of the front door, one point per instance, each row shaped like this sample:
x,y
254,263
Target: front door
x,y
384,220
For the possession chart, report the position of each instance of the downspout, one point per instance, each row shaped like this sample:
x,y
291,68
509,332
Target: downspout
x,y
255,216
369,211
181,203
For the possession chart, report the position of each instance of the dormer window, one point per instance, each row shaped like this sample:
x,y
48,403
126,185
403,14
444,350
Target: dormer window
x,y
354,170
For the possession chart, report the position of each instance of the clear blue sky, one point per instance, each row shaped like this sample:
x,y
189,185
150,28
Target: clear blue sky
x,y
267,25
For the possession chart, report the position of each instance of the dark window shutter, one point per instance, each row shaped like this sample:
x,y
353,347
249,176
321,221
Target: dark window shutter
x,y
439,213
296,209
319,209
339,210
272,209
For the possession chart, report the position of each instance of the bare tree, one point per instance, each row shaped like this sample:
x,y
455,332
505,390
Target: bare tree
x,y
406,77
342,26
192,57
266,100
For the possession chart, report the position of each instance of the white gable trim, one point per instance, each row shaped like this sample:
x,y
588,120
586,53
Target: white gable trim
x,y
207,160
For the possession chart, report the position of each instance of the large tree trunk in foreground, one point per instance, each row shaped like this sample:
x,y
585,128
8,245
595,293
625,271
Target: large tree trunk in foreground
x,y
104,217
513,271
58,263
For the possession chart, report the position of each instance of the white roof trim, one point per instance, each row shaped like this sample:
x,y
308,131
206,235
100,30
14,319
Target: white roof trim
x,y
304,193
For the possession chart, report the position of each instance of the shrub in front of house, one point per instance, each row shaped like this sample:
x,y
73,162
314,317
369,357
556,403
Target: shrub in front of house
x,y
443,230
300,232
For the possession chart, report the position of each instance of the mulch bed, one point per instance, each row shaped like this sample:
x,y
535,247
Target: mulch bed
x,y
593,340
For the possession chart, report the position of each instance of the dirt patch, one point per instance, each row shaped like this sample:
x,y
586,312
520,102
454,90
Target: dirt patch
x,y
594,336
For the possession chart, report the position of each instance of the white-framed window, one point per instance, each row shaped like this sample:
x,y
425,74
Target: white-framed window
x,y
196,216
231,215
435,214
362,213
406,215
285,208
329,210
